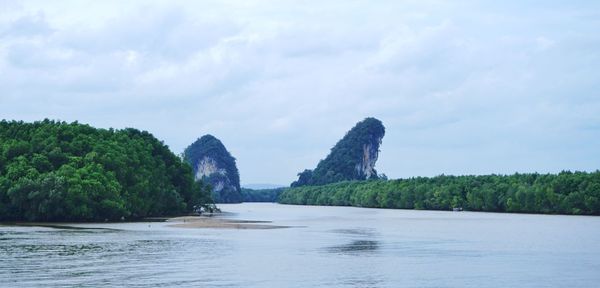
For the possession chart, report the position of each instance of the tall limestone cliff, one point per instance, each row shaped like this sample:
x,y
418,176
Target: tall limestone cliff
x,y
212,163
352,158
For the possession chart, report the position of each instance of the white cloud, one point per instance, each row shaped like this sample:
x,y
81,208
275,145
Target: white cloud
x,y
462,87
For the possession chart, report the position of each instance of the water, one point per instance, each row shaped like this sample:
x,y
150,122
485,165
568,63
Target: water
x,y
327,247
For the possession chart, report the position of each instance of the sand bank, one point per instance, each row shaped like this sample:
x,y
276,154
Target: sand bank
x,y
216,222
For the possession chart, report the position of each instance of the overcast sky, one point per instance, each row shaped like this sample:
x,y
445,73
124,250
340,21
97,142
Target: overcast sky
x,y
463,87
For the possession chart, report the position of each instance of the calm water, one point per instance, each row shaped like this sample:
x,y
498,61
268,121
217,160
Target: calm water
x,y
328,247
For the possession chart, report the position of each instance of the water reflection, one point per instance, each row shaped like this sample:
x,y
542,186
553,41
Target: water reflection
x,y
367,232
361,240
355,247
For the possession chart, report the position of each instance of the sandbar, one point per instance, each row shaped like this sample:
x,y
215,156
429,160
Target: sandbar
x,y
216,222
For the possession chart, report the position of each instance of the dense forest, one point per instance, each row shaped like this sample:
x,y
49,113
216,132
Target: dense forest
x,y
58,171
213,164
352,158
563,193
261,195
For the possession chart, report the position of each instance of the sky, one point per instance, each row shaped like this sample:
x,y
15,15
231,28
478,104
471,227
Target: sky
x,y
462,87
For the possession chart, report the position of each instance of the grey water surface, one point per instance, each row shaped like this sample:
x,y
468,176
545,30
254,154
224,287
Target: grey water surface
x,y
325,247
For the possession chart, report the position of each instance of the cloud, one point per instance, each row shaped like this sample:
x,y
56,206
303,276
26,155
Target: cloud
x,y
462,88
27,26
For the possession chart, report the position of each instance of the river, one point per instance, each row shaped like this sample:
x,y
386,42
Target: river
x,y
324,247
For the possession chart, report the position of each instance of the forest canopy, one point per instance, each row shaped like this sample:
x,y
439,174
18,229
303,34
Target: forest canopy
x,y
58,171
564,193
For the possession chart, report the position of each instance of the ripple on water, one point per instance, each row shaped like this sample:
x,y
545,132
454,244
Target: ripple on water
x,y
65,257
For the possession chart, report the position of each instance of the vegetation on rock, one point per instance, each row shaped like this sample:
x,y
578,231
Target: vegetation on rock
x,y
212,163
352,158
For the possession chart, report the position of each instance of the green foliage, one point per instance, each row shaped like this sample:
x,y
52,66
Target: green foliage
x,y
348,154
211,147
261,195
56,171
563,193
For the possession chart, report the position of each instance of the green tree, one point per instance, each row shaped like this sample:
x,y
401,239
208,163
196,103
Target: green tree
x,y
56,171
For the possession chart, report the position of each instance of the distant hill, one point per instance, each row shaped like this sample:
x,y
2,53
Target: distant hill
x,y
352,158
212,163
260,186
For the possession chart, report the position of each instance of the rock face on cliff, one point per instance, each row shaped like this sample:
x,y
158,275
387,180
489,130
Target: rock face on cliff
x,y
352,158
213,164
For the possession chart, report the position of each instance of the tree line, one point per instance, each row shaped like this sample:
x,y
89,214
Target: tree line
x,y
563,193
58,171
261,195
